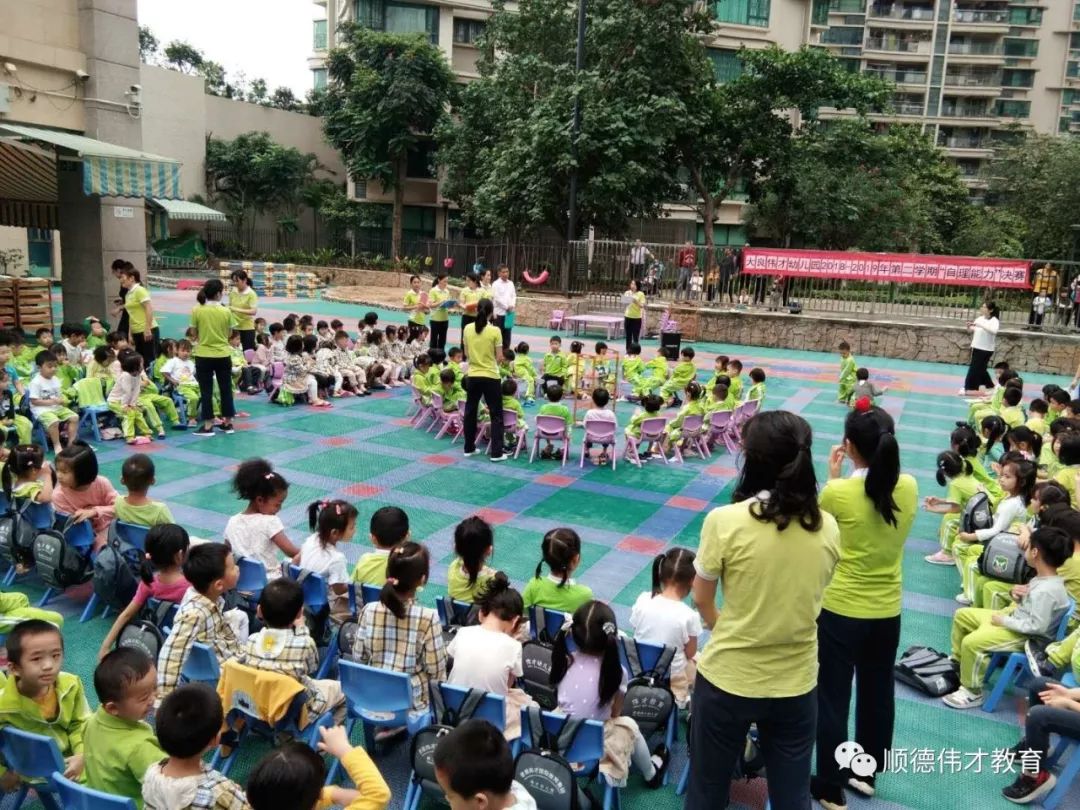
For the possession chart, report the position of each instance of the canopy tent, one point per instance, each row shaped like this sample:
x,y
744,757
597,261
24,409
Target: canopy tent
x,y
30,158
162,211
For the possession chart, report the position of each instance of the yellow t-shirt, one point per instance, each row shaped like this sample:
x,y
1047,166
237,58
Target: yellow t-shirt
x,y
481,350
371,568
411,300
457,582
764,642
1066,476
49,703
435,297
133,303
867,580
468,300
247,299
213,323
633,309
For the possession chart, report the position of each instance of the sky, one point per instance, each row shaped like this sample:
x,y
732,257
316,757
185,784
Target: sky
x,y
260,38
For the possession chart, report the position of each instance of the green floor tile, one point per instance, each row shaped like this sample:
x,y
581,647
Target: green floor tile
x,y
345,463
330,424
211,499
409,439
645,478
587,509
641,582
452,483
245,444
166,470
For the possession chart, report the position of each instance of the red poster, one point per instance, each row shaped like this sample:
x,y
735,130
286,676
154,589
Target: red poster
x,y
910,268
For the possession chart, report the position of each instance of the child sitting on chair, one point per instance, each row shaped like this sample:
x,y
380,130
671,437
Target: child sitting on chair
x,y
651,405
554,407
599,412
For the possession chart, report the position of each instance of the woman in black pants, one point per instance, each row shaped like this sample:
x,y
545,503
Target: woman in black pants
x,y
213,359
634,313
984,331
470,297
859,623
483,342
143,330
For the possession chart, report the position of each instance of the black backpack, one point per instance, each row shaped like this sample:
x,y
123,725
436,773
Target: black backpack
x,y
59,564
1003,560
544,771
536,673
649,700
457,617
927,670
17,535
147,631
977,513
116,572
422,749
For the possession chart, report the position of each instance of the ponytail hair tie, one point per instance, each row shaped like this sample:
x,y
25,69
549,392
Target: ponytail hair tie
x,y
609,629
863,405
392,582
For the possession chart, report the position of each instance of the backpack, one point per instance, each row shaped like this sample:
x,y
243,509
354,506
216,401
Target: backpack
x,y
544,771
536,673
422,748
17,535
59,564
318,621
977,513
146,632
347,640
927,670
457,618
1003,560
648,700
116,572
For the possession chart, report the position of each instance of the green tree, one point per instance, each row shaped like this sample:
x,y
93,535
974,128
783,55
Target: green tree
x,y
508,152
184,56
252,175
991,231
148,45
284,99
386,93
738,132
257,91
1037,179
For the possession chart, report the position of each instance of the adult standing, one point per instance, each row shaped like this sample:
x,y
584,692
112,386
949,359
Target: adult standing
x,y
483,342
504,297
440,315
859,625
639,254
635,303
244,305
772,551
485,283
142,326
212,323
118,266
687,260
1044,284
470,297
416,305
727,274
984,331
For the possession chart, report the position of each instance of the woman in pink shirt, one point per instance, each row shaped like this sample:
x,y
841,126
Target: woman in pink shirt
x,y
81,493
162,576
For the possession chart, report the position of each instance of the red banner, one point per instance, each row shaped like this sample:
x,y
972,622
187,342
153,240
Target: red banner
x,y
910,268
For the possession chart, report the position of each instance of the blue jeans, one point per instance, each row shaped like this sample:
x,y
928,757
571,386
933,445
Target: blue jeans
x,y
786,728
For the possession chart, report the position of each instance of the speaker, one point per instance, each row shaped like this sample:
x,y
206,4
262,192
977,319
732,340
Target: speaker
x,y
670,344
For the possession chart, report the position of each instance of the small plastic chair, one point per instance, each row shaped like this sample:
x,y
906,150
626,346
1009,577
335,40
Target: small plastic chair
x,y
652,431
599,431
132,533
719,428
74,796
249,356
439,417
91,406
40,516
316,598
200,666
545,622
422,412
277,377
453,423
1014,666
1071,768
36,757
552,429
556,322
510,424
693,438
643,658
377,698
252,579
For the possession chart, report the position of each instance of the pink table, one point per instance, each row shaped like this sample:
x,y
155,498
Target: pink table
x,y
612,324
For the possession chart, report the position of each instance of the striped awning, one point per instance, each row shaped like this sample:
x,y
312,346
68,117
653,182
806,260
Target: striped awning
x,y
189,211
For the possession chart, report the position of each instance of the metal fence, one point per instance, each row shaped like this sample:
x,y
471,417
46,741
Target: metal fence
x,y
602,269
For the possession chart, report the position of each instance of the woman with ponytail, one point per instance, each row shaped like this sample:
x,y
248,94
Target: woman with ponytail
x,y
772,552
212,323
483,346
396,633
859,624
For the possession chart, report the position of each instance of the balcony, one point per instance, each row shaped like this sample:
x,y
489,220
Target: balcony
x,y
898,76
908,108
893,44
899,16
966,111
847,6
979,20
977,48
973,83
318,35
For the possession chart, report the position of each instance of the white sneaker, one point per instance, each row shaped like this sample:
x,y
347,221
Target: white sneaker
x,y
963,698
962,599
503,457
863,785
468,453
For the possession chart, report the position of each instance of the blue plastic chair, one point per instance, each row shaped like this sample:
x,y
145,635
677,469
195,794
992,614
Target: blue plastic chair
x,y
1014,666
370,593
316,598
541,618
584,754
36,757
252,579
460,609
39,515
648,656
79,536
74,796
201,666
377,698
132,533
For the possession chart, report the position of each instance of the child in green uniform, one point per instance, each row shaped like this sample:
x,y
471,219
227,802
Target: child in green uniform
x,y
389,527
168,352
450,391
992,404
653,375
966,442
683,373
846,382
137,476
1069,457
757,389
720,369
454,358
1011,413
554,407
554,363
561,549
97,333
506,367
736,384
1037,410
650,407
719,396
632,365
1057,402
434,373
421,378
525,372
955,472
575,368
510,402
695,406
468,574
601,368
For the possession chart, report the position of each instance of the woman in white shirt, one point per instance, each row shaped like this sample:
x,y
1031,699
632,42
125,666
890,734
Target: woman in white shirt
x,y
984,331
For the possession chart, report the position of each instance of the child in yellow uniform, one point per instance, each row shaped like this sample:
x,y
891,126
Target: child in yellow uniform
x,y
683,373
846,381
955,472
757,388
421,378
695,406
650,407
525,372
736,385
389,527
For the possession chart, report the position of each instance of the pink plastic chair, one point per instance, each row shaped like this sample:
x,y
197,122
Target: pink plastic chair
x,y
598,431
437,412
719,426
249,356
423,412
556,321
652,430
452,422
552,429
277,372
693,438
510,424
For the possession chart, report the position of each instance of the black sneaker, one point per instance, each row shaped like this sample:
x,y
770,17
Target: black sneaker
x,y
1035,650
660,752
830,797
227,427
862,784
1027,789
203,431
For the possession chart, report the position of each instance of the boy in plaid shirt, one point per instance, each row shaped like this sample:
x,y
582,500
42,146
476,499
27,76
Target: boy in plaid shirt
x,y
211,570
188,725
285,646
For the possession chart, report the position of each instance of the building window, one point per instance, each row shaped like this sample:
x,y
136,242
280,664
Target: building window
x,y
418,220
742,12
466,32
820,13
1013,109
319,77
838,35
319,35
726,64
1021,47
1025,16
399,18
419,162
1017,78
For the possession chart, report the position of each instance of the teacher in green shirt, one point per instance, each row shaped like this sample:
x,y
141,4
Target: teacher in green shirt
x,y
244,305
212,323
142,326
635,304
859,623
483,342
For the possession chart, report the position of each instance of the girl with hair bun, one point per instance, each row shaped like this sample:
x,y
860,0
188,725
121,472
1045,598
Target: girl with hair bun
x,y
859,623
955,472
